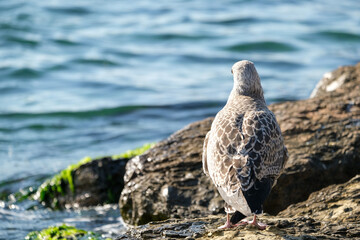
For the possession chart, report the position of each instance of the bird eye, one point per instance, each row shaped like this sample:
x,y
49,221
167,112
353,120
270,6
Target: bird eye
x,y
232,71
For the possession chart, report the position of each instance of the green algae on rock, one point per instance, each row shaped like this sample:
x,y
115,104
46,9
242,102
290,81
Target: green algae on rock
x,y
57,183
68,186
64,232
134,152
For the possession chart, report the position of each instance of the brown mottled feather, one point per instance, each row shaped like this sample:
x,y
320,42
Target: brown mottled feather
x,y
245,142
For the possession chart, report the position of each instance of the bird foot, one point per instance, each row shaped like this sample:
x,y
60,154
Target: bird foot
x,y
254,222
227,225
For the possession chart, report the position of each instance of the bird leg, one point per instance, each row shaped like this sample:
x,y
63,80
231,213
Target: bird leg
x,y
228,224
254,222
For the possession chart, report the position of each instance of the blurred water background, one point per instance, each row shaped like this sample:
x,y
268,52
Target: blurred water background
x,y
95,78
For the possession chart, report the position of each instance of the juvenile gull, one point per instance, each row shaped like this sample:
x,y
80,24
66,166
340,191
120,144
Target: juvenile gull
x,y
244,152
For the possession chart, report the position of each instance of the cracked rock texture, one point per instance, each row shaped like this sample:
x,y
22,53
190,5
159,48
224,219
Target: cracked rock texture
x,y
322,135
331,213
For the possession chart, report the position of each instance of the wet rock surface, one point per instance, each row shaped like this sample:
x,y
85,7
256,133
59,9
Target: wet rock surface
x,y
331,213
167,181
322,135
89,182
97,182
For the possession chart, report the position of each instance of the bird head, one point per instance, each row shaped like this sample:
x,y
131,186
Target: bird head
x,y
246,79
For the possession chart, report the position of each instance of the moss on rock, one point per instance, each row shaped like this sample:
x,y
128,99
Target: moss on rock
x,y
63,182
63,232
134,152
57,183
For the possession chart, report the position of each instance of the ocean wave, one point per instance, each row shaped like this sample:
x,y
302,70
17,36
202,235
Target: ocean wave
x,y
230,21
172,36
120,110
262,46
24,73
12,39
12,89
339,35
280,64
37,127
8,26
66,42
207,59
122,53
69,10
96,61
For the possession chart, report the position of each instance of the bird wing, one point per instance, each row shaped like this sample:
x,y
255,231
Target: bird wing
x,y
262,147
253,149
204,156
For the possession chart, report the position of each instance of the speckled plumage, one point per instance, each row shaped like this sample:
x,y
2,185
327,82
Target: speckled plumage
x,y
244,151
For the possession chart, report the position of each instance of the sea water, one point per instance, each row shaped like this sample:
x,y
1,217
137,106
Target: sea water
x,y
95,78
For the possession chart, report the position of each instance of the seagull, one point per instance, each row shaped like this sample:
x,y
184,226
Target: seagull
x,y
244,152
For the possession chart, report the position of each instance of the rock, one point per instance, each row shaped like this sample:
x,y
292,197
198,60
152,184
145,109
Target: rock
x,y
168,181
335,79
331,213
322,135
89,182
335,203
96,182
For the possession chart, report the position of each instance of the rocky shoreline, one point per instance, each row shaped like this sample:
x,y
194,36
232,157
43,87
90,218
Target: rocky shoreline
x,y
331,213
322,135
165,194
316,197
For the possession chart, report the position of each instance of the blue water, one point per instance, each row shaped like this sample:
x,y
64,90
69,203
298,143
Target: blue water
x,y
93,78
